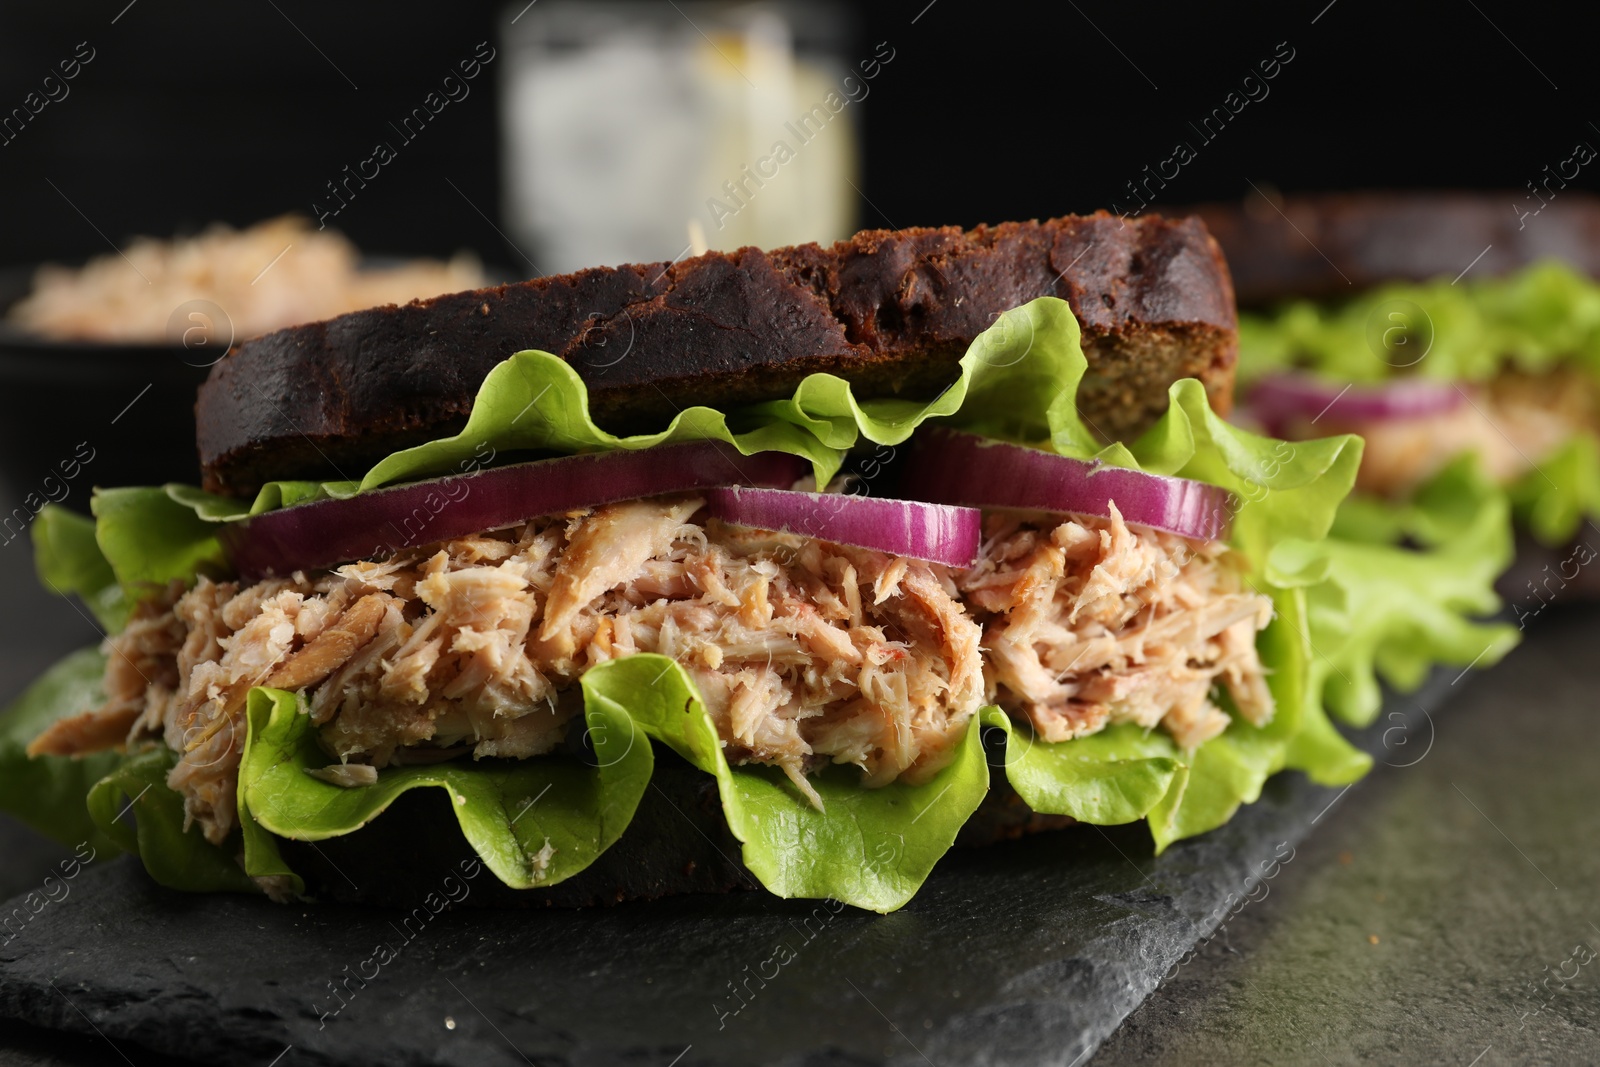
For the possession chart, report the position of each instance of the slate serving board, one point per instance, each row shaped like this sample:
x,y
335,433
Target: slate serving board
x,y
1030,952
1435,913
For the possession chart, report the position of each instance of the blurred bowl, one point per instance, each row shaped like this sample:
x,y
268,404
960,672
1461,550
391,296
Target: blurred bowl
x,y
75,414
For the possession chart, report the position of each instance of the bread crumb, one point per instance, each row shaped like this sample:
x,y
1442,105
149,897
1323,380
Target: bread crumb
x,y
1372,939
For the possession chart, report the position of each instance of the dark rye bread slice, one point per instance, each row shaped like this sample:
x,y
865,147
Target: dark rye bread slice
x,y
678,842
892,311
1328,245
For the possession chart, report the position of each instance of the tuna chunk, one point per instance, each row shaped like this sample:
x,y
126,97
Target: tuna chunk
x,y
1089,622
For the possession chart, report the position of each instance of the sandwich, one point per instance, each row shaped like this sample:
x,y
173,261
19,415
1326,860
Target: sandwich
x,y
790,568
1459,335
1437,325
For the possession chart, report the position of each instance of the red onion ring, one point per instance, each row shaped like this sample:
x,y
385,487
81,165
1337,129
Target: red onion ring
x,y
384,521
1280,397
963,468
935,532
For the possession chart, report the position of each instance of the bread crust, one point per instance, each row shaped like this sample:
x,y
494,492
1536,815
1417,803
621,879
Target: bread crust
x,y
892,311
1326,245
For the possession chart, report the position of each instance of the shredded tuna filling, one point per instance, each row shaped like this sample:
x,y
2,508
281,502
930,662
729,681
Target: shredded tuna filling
x,y
1512,422
1088,623
805,652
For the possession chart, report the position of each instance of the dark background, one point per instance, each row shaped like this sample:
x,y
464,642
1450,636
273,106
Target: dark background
x,y
996,110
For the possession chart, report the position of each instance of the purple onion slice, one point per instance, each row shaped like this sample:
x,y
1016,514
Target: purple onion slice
x,y
963,468
1281,397
385,521
935,532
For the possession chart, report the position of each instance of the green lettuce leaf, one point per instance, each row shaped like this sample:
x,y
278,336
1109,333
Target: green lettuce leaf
x,y
1392,611
48,793
174,857
68,560
1563,494
1468,330
272,496
1461,505
535,401
1018,382
869,847
1223,774
150,539
534,822
263,860
1113,777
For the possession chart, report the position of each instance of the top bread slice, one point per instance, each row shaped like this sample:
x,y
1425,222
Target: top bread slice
x,y
1328,245
890,311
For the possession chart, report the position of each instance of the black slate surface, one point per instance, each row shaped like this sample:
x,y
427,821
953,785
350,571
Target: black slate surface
x,y
1029,952
1423,918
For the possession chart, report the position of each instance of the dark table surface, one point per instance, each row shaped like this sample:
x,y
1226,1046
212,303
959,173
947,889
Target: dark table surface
x,y
1415,924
